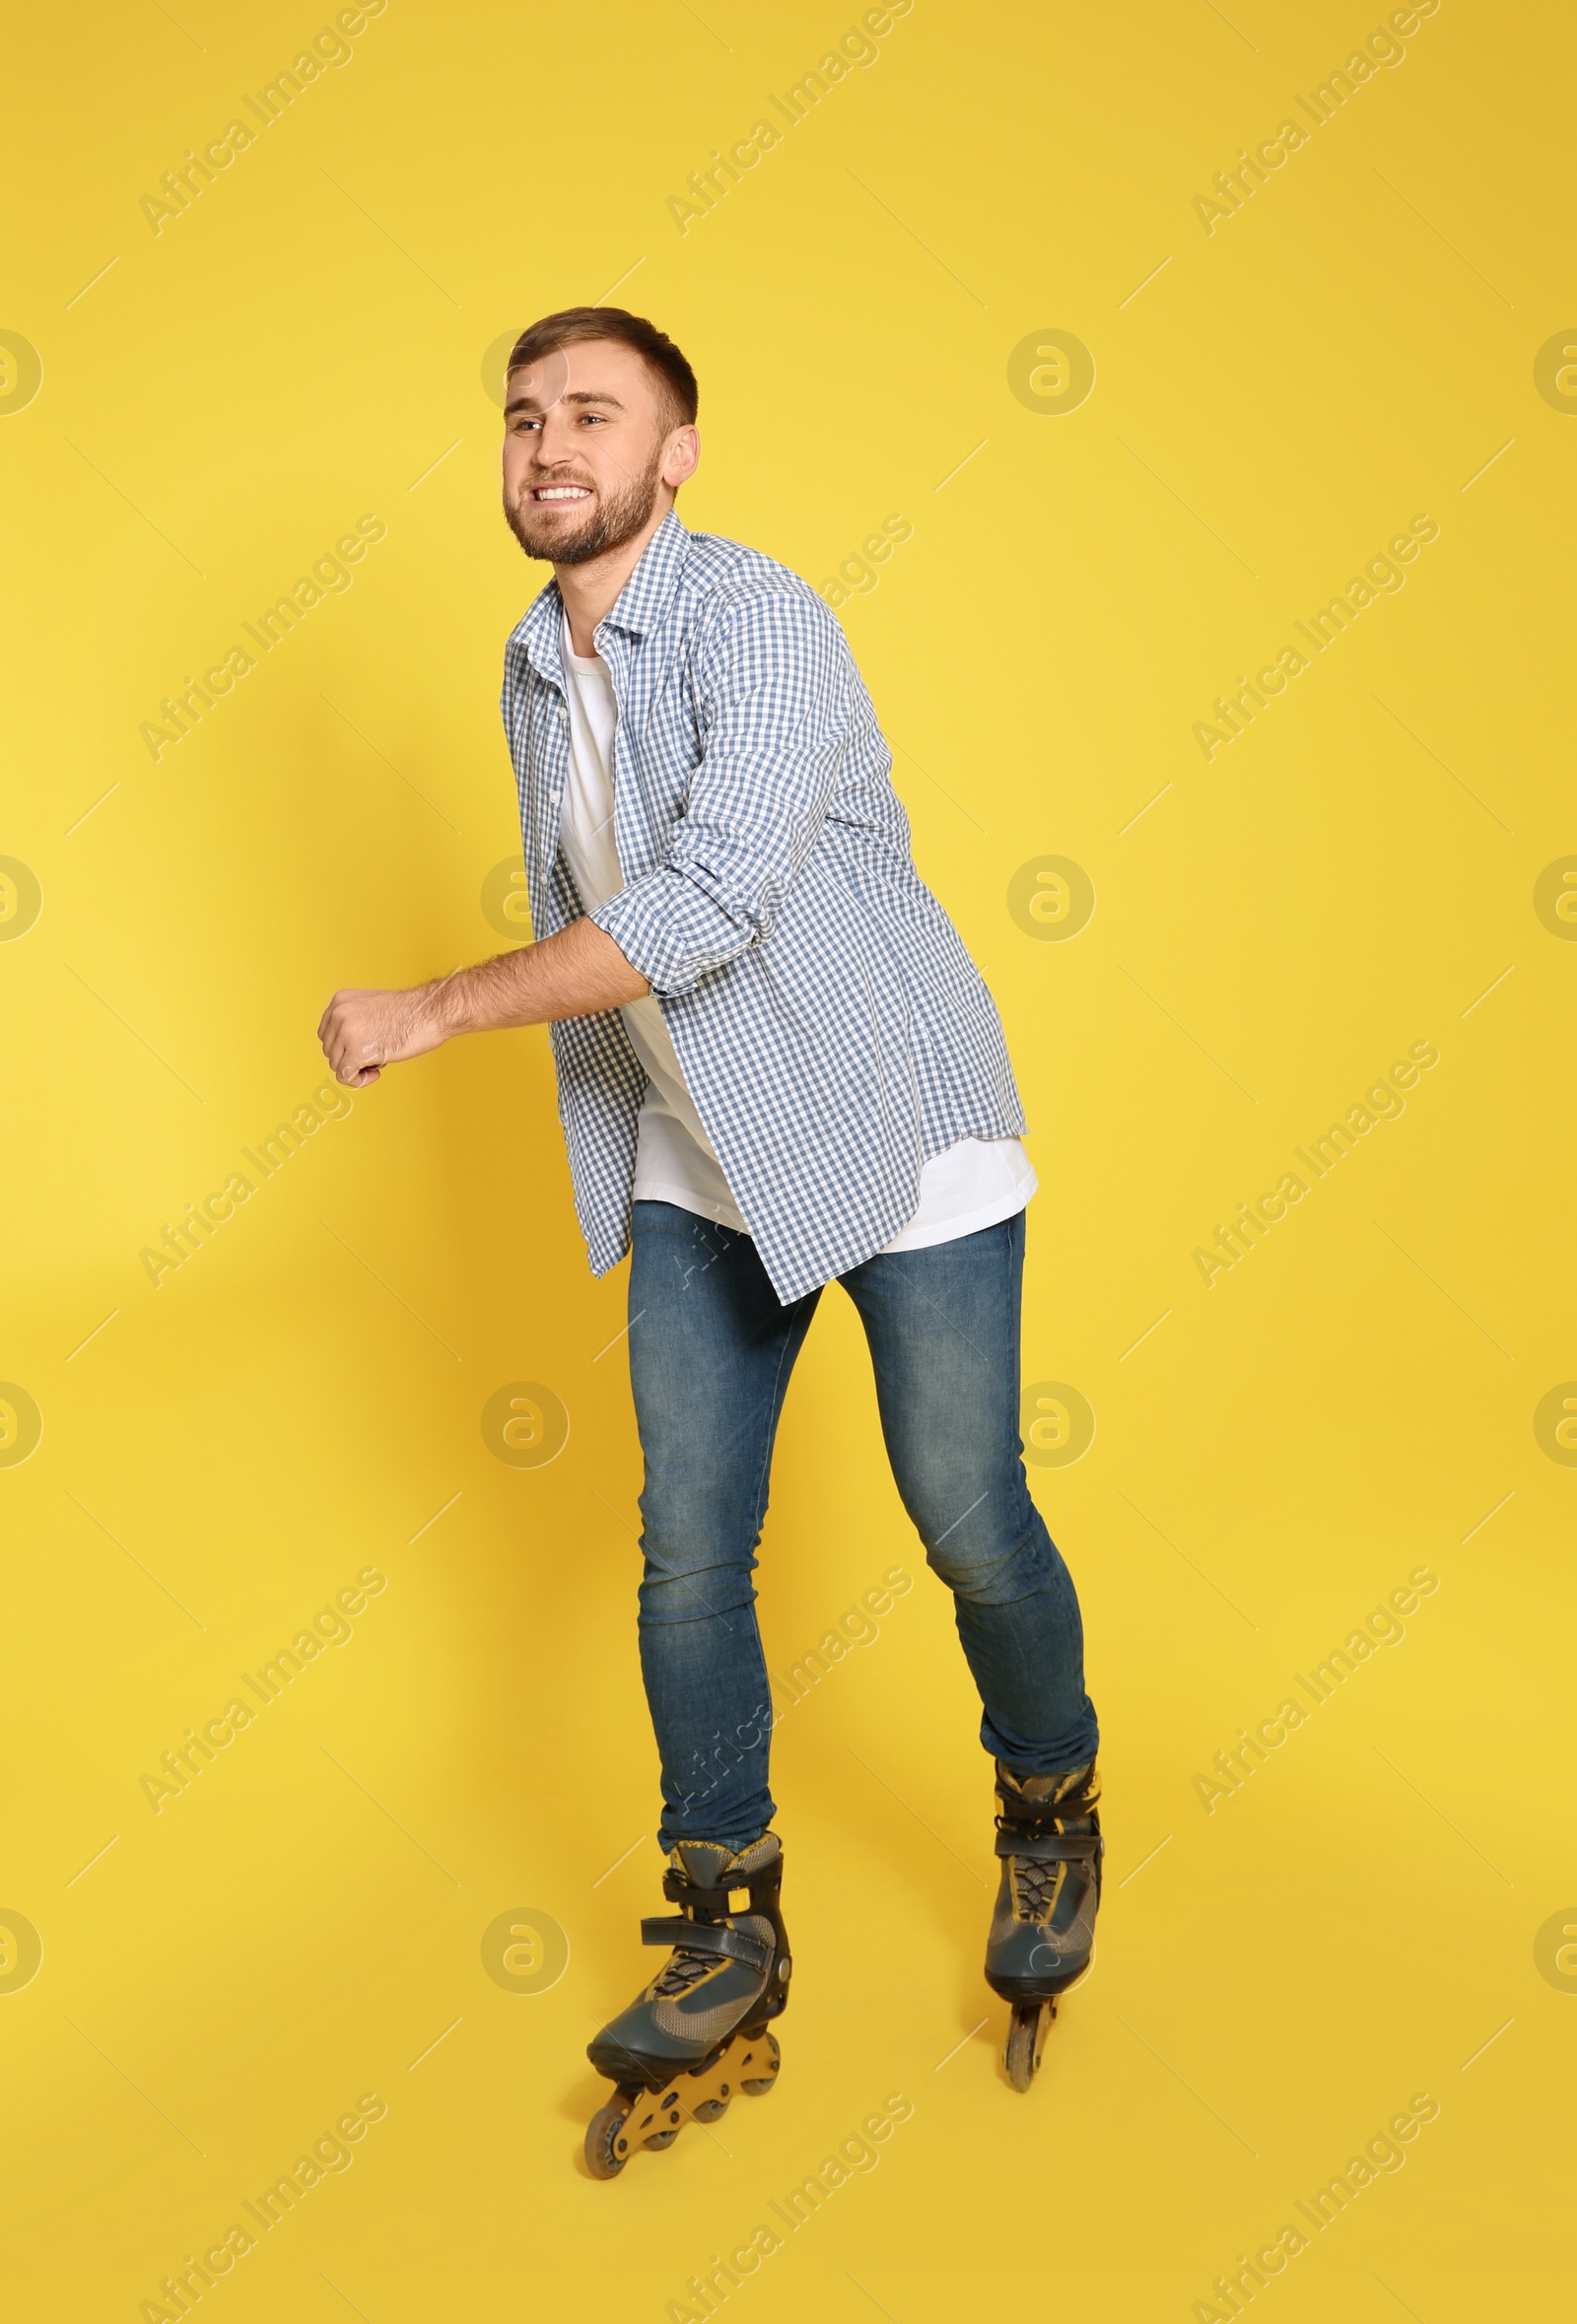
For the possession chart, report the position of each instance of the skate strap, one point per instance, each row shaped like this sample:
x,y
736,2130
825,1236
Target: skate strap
x,y
708,1937
758,1886
1046,1847
1035,1815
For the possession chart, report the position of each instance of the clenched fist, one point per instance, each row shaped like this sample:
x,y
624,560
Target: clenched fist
x,y
577,972
363,1032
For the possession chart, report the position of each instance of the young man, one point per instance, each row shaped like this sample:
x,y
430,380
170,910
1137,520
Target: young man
x,y
778,1067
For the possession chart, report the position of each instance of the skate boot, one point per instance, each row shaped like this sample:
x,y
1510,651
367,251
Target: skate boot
x,y
1042,1933
699,2031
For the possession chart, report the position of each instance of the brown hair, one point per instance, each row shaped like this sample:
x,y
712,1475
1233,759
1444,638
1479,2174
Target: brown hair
x,y
678,396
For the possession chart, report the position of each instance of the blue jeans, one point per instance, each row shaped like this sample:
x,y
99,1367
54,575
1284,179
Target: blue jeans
x,y
711,1353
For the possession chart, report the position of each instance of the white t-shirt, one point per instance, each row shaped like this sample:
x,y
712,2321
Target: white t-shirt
x,y
973,1185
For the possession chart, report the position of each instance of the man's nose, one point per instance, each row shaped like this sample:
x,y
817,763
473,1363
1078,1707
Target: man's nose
x,y
550,447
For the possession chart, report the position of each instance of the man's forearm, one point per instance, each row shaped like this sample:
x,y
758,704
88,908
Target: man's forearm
x,y
574,974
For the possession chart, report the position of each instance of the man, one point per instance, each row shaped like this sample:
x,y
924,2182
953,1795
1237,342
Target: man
x,y
776,1067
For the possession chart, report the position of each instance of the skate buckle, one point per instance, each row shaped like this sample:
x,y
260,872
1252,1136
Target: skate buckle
x,y
738,1899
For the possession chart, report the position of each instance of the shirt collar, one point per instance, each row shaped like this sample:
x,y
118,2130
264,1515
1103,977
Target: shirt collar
x,y
640,605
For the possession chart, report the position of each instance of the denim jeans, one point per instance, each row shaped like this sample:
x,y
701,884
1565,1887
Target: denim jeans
x,y
711,1353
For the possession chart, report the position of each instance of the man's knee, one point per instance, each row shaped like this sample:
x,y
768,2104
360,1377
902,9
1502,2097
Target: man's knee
x,y
684,1591
991,1557
700,1512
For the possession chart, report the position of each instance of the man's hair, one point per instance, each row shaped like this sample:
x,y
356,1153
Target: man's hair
x,y
678,396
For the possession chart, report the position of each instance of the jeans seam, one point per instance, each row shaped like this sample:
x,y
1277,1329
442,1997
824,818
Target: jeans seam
x,y
774,1413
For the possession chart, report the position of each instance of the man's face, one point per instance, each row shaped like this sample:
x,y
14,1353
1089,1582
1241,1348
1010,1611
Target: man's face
x,y
587,458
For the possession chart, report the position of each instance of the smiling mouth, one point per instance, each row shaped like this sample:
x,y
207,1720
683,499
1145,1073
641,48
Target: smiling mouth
x,y
548,494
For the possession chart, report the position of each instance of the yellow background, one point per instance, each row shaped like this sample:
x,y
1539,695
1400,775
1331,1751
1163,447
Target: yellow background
x,y
302,1925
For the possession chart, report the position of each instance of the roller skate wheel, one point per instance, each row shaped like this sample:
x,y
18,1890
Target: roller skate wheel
x,y
1026,2040
603,2140
757,2085
658,2140
711,2110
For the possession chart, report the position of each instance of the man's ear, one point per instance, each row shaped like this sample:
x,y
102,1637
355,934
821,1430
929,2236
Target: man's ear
x,y
683,457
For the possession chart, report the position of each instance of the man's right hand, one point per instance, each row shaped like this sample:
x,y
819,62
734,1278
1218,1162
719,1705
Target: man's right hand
x,y
363,1031
578,972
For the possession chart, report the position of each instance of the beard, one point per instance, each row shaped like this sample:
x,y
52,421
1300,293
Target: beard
x,y
608,520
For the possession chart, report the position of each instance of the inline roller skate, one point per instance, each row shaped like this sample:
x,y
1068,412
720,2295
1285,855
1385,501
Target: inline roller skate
x,y
699,2030
1043,1932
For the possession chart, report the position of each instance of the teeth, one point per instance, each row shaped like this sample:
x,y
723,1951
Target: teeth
x,y
562,491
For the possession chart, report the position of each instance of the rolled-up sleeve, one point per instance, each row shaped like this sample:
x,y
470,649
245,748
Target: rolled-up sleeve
x,y
776,699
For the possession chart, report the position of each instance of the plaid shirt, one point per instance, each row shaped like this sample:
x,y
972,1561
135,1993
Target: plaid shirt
x,y
833,1031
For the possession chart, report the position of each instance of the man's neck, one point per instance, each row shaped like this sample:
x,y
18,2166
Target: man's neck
x,y
593,589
